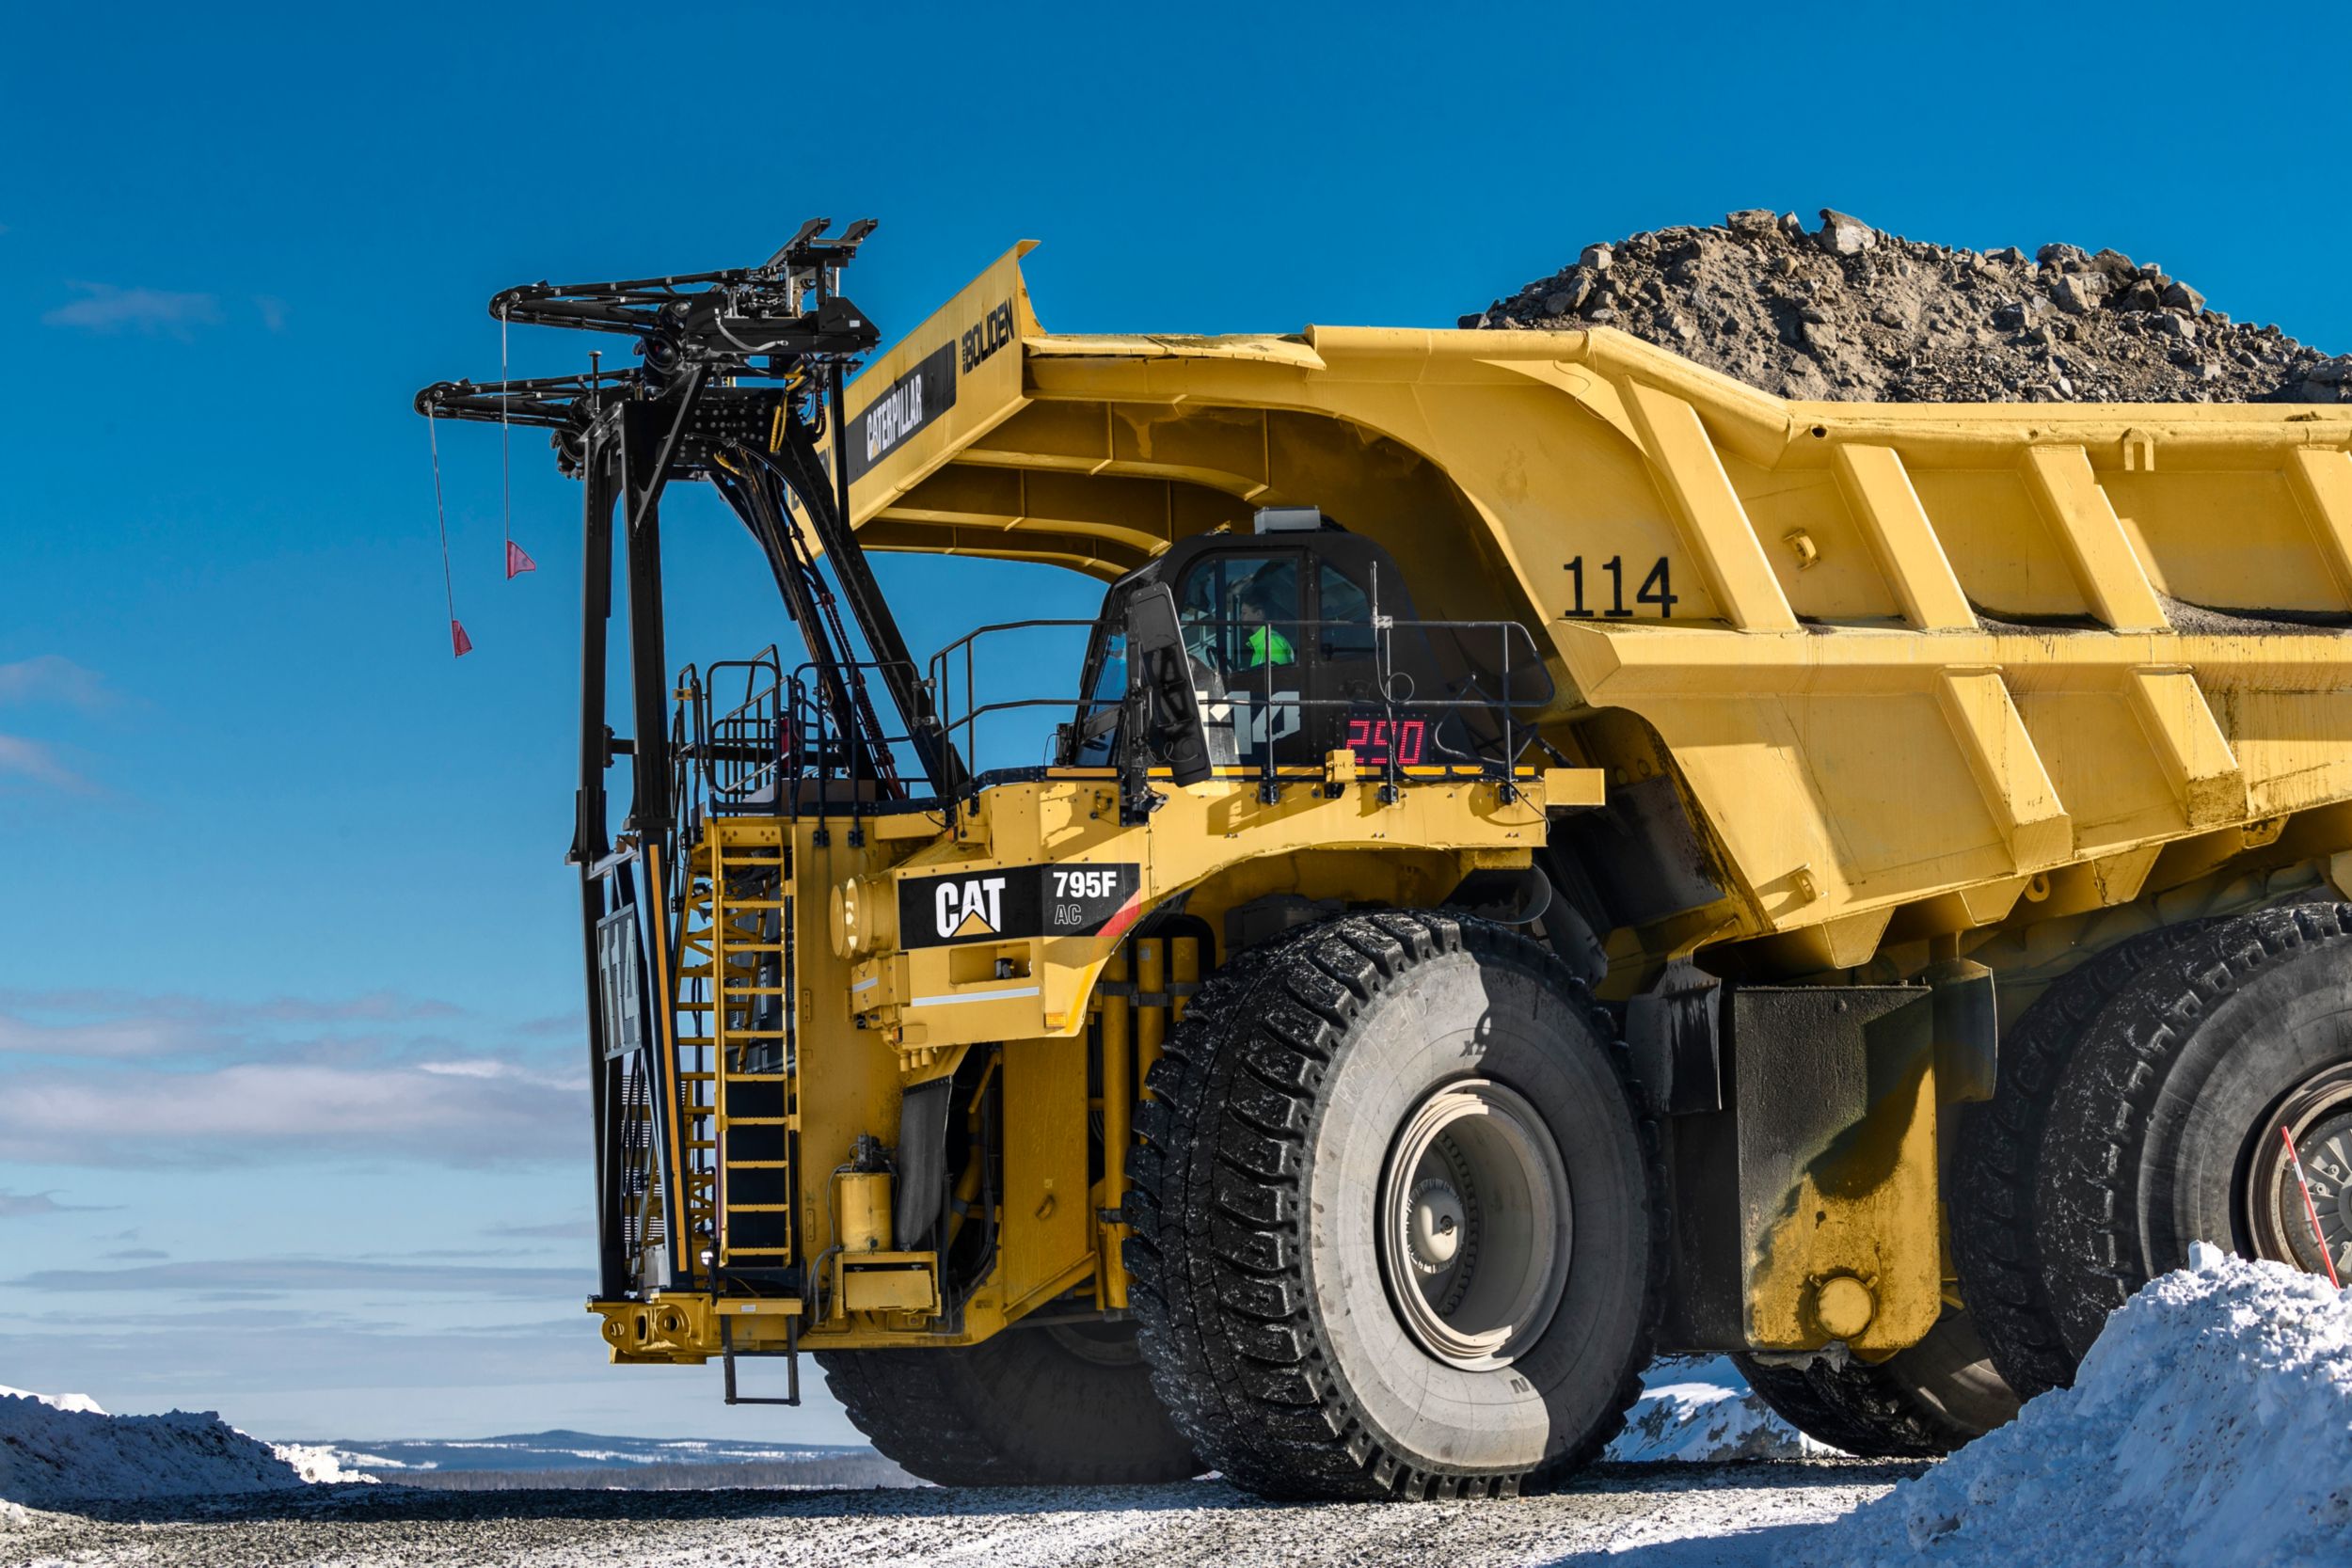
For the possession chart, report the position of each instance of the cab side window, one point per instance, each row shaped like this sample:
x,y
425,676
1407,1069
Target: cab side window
x,y
1344,611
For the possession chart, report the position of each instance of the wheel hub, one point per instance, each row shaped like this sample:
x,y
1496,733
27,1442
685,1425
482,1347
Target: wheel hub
x,y
1473,1224
1433,1228
2317,1115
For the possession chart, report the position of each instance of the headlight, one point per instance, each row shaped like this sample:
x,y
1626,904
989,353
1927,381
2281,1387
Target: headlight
x,y
862,917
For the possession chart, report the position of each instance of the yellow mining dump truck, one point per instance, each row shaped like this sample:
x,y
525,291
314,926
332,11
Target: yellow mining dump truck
x,y
1550,856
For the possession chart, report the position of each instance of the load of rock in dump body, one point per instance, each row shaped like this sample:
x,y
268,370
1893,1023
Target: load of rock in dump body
x,y
1846,313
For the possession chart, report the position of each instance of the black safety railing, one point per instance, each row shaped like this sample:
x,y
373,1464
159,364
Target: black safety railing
x,y
960,706
743,748
787,745
832,767
1498,677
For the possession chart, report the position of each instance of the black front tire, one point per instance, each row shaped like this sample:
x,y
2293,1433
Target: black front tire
x,y
1056,1405
1267,1305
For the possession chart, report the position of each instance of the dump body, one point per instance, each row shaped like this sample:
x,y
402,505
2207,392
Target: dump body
x,y
1863,724
1901,667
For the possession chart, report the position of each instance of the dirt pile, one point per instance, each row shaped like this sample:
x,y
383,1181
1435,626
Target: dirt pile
x,y
1845,311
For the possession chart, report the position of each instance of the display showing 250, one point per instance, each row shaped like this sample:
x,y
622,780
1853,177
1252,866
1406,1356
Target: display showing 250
x,y
1370,740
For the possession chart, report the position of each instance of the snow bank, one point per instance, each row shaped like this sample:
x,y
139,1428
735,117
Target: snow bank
x,y
2211,1425
60,1449
1705,1413
320,1463
54,1401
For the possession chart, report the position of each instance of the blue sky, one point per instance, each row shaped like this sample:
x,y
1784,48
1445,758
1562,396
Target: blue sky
x,y
290,1123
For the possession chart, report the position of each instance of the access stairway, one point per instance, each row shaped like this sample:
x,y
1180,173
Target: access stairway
x,y
734,1063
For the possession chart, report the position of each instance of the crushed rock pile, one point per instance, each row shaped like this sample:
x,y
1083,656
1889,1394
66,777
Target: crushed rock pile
x,y
2210,1427
1848,313
63,1450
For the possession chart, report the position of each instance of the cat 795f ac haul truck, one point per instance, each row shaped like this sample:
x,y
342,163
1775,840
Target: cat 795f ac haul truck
x,y
1551,856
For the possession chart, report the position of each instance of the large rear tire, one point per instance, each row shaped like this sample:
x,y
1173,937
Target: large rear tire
x,y
1921,1402
2165,1130
1997,1171
1056,1405
1396,1225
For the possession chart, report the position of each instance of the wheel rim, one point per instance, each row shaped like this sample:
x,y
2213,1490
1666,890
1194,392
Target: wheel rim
x,y
2317,1113
1474,1224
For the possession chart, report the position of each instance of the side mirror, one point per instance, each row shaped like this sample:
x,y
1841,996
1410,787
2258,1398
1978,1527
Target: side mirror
x,y
1164,710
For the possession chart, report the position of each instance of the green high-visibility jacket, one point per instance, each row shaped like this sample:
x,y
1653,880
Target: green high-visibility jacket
x,y
1268,646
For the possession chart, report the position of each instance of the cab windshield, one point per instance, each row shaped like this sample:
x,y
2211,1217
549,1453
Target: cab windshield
x,y
1241,611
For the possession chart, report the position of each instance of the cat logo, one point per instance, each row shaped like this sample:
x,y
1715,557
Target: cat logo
x,y
1016,902
972,908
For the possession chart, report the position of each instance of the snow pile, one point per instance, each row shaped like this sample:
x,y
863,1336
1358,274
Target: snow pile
x,y
1705,1413
2211,1425
54,1401
320,1463
58,1450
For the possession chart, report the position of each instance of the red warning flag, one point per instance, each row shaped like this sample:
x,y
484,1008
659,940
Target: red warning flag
x,y
460,644
516,562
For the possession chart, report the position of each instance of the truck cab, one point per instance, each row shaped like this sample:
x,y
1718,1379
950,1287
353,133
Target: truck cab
x,y
1301,639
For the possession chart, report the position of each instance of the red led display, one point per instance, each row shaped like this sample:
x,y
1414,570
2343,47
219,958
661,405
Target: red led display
x,y
1372,740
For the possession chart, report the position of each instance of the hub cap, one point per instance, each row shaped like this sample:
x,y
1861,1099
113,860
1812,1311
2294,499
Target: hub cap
x,y
1473,1224
2318,1114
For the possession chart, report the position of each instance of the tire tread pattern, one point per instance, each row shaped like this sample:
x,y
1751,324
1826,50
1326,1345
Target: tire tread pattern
x,y
2094,1243
1996,1197
1014,1410
1215,1260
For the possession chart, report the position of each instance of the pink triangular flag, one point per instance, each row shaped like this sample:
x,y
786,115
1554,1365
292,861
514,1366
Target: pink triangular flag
x,y
516,562
458,641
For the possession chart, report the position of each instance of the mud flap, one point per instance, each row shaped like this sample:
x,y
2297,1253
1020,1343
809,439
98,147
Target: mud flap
x,y
1806,1208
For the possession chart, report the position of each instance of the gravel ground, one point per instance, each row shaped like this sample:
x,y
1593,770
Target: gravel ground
x,y
1683,1515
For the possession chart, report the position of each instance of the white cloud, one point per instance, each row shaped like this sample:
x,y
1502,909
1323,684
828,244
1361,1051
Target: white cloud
x,y
112,1037
498,1068
47,678
18,1205
53,679
251,1112
477,1069
39,762
553,1230
97,1076
105,307
279,1274
83,1023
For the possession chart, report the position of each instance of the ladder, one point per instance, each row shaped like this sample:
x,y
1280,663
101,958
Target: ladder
x,y
736,1089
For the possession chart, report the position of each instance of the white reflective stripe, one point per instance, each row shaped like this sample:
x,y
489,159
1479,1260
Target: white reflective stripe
x,y
865,985
1005,995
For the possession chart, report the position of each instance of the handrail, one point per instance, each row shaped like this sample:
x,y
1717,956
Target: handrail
x,y
827,752
782,743
1512,639
941,667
